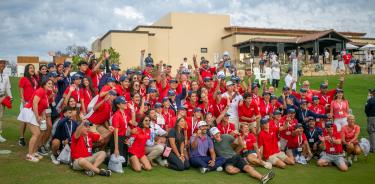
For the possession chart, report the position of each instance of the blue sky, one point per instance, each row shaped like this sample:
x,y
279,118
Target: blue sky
x,y
36,27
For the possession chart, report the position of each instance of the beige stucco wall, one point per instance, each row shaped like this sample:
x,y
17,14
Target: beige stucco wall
x,y
164,21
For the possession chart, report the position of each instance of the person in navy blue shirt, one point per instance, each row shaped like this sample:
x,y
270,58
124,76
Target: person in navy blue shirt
x,y
286,94
312,133
62,136
115,70
303,113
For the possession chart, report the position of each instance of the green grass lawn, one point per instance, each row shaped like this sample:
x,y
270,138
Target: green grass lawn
x,y
14,169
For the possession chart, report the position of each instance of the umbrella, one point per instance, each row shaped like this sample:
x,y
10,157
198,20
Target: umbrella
x,y
368,47
351,46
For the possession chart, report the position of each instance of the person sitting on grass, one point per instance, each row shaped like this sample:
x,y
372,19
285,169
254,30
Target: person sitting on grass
x,y
298,147
82,153
234,163
350,135
62,136
200,145
176,142
269,148
332,144
312,134
250,149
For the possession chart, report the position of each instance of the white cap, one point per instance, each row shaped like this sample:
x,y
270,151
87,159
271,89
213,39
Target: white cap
x,y
229,83
202,123
226,53
214,131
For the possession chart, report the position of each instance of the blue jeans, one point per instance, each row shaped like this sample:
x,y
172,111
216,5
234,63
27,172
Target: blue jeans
x,y
202,161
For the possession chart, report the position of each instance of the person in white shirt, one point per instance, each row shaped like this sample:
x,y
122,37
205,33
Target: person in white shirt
x,y
185,64
4,92
155,145
326,56
289,79
369,57
234,98
275,74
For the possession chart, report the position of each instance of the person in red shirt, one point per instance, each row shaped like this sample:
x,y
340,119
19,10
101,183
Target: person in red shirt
x,y
137,143
340,109
287,124
206,105
248,112
205,70
298,147
224,125
33,113
317,109
82,152
346,57
192,122
86,93
121,119
350,135
27,85
192,103
265,107
73,90
332,144
124,87
269,148
250,149
219,103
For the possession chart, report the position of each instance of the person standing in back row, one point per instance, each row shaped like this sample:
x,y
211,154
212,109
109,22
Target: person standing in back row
x,y
370,113
5,93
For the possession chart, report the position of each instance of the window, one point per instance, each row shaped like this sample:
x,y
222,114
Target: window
x,y
203,50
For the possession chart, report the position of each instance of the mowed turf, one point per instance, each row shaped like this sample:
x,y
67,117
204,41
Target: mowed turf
x,y
15,169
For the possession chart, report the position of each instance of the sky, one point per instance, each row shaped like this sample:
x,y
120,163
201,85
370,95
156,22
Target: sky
x,y
39,26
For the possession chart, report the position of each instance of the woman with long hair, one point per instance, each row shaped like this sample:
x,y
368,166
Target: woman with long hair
x,y
42,73
33,114
137,143
27,85
87,92
135,87
340,109
176,141
349,139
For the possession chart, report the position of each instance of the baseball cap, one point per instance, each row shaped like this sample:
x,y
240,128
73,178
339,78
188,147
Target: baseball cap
x,y
266,93
229,83
323,86
123,77
112,92
67,64
173,81
291,110
264,121
338,90
129,71
158,105
276,112
50,65
152,90
214,131
115,67
111,79
102,67
298,125
302,90
329,124
315,97
182,107
76,76
311,118
52,74
303,101
254,85
165,99
171,93
286,88
82,62
119,100
197,109
202,123
273,97
206,79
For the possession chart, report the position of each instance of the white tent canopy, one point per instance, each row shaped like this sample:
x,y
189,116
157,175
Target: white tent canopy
x,y
351,46
368,47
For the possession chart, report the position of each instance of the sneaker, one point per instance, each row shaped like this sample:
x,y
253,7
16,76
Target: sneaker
x,y
42,151
267,177
104,172
267,165
38,156
31,158
219,169
2,139
303,160
22,142
46,148
54,160
90,173
203,170
349,161
355,158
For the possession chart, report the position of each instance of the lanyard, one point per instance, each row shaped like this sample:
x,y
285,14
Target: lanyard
x,y
35,83
192,125
227,129
267,106
125,118
340,105
86,139
71,128
304,114
88,94
299,138
312,133
325,98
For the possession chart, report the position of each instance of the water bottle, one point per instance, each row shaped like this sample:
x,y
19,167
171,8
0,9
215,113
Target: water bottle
x,y
43,125
131,141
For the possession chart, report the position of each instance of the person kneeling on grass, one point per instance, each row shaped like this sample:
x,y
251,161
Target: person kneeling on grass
x,y
269,148
82,153
201,144
298,147
312,134
332,144
62,136
233,162
250,149
350,135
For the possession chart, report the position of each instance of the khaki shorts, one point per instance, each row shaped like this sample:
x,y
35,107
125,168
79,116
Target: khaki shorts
x,y
91,159
99,129
275,157
251,125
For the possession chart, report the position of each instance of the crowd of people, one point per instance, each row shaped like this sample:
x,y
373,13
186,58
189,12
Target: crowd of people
x,y
198,118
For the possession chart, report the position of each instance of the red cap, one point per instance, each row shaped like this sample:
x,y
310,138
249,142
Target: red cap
x,y
7,102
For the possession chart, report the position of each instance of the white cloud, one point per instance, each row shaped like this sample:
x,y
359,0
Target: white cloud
x,y
128,12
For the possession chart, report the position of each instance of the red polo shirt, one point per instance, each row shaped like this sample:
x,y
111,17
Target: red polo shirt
x,y
229,128
248,112
296,141
102,114
249,141
269,142
265,108
120,120
333,148
28,89
140,139
82,149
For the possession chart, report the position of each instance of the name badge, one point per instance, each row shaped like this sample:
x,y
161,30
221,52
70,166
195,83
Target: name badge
x,y
299,149
332,149
53,104
288,133
318,119
341,113
311,140
78,105
48,111
89,150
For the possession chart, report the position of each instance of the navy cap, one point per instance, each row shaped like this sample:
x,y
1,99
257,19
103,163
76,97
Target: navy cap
x,y
206,79
146,103
67,64
273,97
182,107
197,109
102,67
152,90
303,101
323,86
138,72
171,93
235,78
123,77
315,97
112,92
329,124
302,90
254,85
119,100
338,90
291,110
264,121
221,76
186,72
115,67
298,125
311,118
266,93
76,76
276,112
173,81
286,88
50,65
165,99
158,105
52,74
111,79
82,62
129,71
204,61
149,64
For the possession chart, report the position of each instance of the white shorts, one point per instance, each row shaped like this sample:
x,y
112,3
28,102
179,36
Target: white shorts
x,y
27,115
